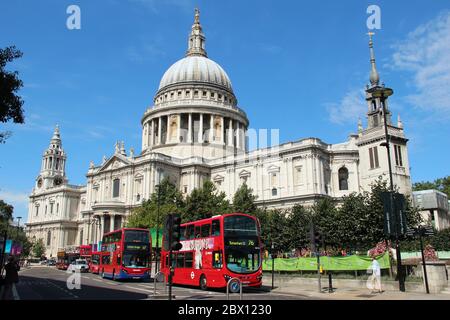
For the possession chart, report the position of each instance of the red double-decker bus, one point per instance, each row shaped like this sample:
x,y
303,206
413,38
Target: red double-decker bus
x,y
126,254
85,252
95,263
216,250
64,259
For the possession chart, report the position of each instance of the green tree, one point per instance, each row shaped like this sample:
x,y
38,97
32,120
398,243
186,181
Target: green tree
x,y
298,227
275,230
38,248
10,102
205,202
170,201
324,215
441,184
244,200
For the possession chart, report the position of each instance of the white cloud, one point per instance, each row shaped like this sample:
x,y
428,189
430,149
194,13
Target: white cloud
x,y
425,54
349,109
19,200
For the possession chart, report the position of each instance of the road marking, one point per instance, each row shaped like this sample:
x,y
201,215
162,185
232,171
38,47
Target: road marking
x,y
134,288
15,293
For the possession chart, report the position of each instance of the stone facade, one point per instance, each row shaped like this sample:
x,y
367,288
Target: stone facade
x,y
196,131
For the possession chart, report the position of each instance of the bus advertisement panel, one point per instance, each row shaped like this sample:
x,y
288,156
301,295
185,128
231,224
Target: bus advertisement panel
x,y
215,250
126,254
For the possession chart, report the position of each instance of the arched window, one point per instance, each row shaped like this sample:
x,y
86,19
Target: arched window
x,y
116,188
343,178
49,237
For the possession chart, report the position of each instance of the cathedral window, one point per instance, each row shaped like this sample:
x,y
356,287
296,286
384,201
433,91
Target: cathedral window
x,y
188,94
398,155
204,94
343,178
49,237
213,94
220,96
179,94
116,188
45,209
171,95
195,94
51,208
37,210
373,157
274,192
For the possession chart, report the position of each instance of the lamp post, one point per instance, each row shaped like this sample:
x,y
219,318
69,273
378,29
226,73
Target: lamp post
x,y
157,228
273,263
382,93
18,225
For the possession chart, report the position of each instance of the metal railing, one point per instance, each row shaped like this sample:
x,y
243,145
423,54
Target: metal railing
x,y
240,287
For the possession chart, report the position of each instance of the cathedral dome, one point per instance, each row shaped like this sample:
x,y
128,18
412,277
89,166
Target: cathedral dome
x,y
197,69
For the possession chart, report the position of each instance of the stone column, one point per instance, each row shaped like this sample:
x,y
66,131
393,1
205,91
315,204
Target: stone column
x,y
230,133
179,129
102,225
189,138
200,130
159,130
211,128
238,135
151,133
111,221
222,133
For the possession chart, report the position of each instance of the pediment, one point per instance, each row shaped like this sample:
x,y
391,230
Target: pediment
x,y
115,162
273,168
218,177
244,173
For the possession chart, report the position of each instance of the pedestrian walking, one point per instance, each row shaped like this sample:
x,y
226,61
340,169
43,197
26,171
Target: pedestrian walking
x,y
11,277
376,276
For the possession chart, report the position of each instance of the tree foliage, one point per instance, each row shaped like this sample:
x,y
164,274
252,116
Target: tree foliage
x,y
170,201
38,248
205,202
244,200
10,102
441,184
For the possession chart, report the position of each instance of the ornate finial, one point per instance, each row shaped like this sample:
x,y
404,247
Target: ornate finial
x,y
91,165
197,16
56,136
131,152
374,76
196,46
117,147
103,160
399,122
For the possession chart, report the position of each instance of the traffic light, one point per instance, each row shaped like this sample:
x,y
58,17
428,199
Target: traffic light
x,y
176,234
317,239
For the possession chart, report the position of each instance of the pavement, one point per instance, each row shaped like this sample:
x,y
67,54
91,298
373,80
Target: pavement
x,y
48,283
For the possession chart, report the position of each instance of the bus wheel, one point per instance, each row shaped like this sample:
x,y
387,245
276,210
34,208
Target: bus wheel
x,y
103,273
203,284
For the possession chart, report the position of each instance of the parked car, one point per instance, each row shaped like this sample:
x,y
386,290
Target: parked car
x,y
51,262
43,262
79,265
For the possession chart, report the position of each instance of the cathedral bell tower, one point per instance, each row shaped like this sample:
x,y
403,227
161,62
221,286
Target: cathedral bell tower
x,y
53,173
375,116
371,141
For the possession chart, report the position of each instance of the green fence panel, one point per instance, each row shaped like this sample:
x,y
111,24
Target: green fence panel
x,y
328,263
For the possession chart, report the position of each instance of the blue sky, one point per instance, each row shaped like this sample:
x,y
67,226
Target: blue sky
x,y
299,66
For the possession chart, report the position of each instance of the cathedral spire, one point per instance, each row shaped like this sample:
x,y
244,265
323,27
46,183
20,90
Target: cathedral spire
x,y
56,136
196,45
374,76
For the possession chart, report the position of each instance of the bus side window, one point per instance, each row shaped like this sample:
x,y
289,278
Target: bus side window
x,y
189,260
105,259
215,228
217,259
183,233
190,232
180,260
205,230
197,231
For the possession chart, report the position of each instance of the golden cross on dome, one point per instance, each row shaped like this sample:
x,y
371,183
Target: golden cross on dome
x,y
370,34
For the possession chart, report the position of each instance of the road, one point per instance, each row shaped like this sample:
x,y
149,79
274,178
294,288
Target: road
x,y
48,283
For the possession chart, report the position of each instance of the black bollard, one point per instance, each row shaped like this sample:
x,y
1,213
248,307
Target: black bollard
x,y
330,283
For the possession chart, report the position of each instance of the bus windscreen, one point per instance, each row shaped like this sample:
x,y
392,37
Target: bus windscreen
x,y
242,248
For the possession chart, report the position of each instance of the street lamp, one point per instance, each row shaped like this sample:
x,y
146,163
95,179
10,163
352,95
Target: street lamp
x,y
273,263
382,93
18,225
157,221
